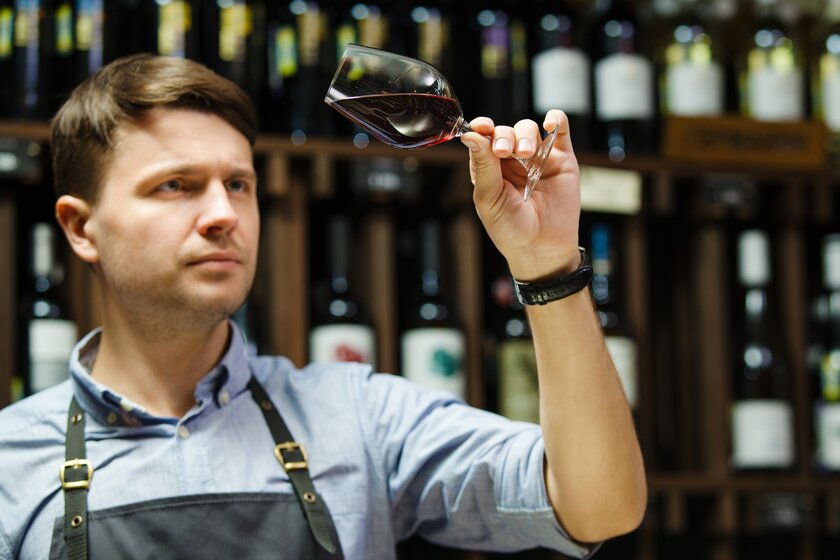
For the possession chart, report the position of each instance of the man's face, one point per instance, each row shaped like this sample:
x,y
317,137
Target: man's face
x,y
177,223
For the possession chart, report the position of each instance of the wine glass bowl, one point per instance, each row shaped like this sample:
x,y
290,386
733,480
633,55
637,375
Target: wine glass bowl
x,y
406,103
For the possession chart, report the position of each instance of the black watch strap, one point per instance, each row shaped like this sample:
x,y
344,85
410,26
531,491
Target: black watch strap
x,y
545,291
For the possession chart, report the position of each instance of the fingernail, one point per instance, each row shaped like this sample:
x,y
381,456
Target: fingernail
x,y
502,144
549,125
524,145
471,145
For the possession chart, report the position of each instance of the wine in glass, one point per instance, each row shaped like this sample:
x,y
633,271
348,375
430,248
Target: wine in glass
x,y
407,103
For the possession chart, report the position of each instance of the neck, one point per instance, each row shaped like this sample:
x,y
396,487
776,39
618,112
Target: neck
x,y
158,367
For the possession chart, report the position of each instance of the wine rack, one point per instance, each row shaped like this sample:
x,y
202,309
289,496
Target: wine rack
x,y
676,274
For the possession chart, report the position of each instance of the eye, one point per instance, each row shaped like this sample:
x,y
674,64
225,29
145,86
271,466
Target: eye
x,y
238,185
173,185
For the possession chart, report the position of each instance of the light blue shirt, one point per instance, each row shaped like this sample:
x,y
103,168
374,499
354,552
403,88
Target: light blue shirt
x,y
391,459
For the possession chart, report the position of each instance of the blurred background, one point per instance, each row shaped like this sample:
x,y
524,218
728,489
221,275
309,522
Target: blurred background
x,y
709,138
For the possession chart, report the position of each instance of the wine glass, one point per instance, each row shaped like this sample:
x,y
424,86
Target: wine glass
x,y
407,103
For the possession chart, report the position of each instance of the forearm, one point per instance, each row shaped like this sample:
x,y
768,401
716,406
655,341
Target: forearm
x,y
595,474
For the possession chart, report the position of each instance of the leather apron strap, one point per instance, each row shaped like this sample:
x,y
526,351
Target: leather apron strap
x,y
294,459
75,476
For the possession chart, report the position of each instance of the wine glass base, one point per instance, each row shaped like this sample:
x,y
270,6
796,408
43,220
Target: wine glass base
x,y
534,164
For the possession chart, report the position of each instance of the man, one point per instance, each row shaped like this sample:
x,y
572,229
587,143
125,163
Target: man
x,y
171,443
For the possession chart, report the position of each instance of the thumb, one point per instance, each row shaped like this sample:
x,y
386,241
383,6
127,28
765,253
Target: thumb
x,y
485,168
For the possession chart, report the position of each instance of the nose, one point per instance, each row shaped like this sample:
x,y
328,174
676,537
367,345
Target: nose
x,y
218,216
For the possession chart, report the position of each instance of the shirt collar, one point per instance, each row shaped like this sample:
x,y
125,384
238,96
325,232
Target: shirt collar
x,y
230,375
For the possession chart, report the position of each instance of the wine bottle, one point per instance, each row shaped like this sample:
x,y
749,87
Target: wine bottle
x,y
827,404
48,336
433,347
762,415
691,76
826,75
429,32
176,29
516,361
341,329
63,77
32,52
605,293
493,98
7,18
561,70
771,69
299,63
94,32
623,82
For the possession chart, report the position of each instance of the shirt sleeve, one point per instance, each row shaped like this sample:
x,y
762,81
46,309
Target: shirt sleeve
x,y
459,476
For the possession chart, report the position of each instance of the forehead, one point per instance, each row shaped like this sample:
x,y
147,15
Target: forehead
x,y
176,136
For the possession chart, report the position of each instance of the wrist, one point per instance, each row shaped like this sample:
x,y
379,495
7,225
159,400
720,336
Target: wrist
x,y
543,267
557,287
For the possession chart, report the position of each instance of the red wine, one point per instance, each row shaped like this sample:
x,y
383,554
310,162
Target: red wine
x,y
404,120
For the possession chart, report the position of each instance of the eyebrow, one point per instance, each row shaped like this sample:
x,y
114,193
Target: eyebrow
x,y
189,169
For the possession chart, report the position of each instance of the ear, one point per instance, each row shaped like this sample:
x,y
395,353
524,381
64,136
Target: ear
x,y
73,214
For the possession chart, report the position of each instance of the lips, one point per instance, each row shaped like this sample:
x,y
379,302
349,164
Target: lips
x,y
213,258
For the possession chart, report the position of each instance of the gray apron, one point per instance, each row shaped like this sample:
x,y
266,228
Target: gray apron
x,y
231,525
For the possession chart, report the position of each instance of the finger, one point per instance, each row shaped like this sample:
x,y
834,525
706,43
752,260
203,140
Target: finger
x,y
527,138
503,141
557,118
482,125
485,171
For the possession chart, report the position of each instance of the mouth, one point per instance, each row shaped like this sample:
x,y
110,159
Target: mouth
x,y
216,260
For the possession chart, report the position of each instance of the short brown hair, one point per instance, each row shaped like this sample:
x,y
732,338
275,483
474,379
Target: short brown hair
x,y
83,129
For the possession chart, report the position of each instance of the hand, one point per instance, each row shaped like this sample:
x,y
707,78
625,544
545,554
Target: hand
x,y
538,237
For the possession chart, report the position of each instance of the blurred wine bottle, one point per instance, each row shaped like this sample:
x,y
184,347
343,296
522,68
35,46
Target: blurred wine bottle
x,y
429,31
47,335
561,69
691,75
606,294
433,346
32,51
827,404
176,31
762,411
771,68
233,43
341,329
300,66
825,74
490,53
7,19
623,82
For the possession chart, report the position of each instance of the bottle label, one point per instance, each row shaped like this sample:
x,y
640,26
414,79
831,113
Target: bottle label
x,y
6,27
312,25
830,90
624,87
519,397
623,353
828,435
342,343
695,89
64,29
762,434
283,55
561,81
175,21
235,25
27,18
434,358
51,343
775,87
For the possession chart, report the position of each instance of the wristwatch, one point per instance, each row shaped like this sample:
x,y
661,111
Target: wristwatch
x,y
545,291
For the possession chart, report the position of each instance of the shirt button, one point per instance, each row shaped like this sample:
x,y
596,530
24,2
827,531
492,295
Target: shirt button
x,y
183,432
112,418
224,398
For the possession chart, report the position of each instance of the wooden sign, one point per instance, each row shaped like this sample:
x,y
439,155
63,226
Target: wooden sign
x,y
741,142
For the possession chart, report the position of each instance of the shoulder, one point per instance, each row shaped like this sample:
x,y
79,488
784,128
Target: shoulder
x,y
45,411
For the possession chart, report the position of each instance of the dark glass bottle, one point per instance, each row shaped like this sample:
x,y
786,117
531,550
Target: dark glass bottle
x,y
433,346
7,92
606,294
561,69
492,26
32,51
825,72
623,83
827,399
47,335
772,84
233,43
300,67
691,73
176,31
762,415
341,329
